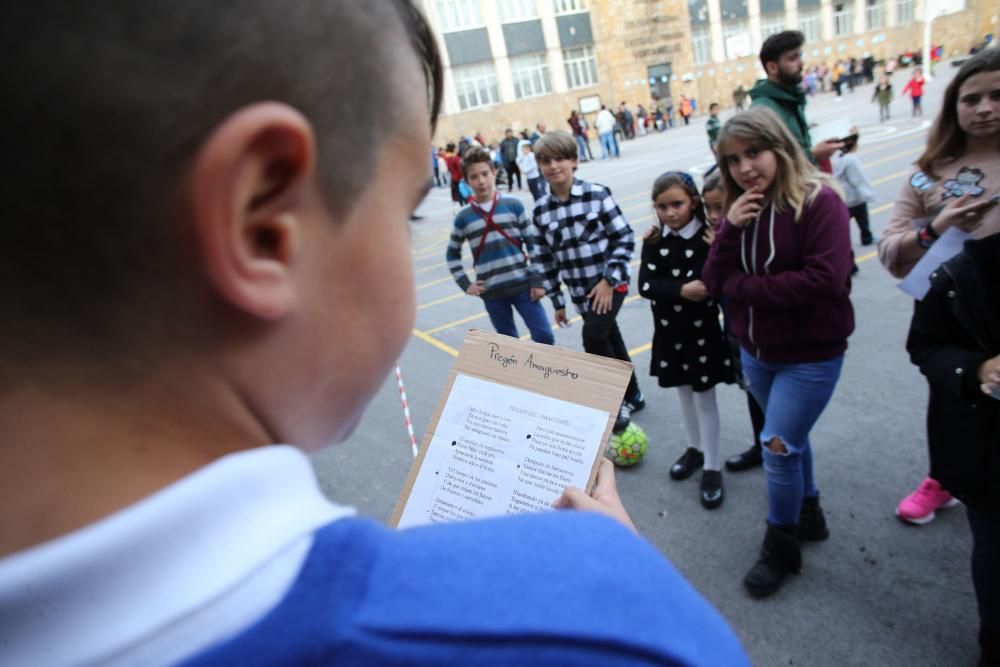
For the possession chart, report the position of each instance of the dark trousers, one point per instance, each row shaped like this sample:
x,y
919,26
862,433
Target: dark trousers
x,y
860,215
602,337
512,171
986,578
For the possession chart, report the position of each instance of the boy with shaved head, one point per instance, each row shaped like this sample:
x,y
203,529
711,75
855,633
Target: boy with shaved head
x,y
194,281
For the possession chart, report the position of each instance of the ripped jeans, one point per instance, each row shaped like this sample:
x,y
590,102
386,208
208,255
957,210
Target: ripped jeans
x,y
793,396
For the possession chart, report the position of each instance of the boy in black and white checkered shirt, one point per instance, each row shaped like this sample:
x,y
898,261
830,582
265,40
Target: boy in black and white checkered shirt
x,y
584,240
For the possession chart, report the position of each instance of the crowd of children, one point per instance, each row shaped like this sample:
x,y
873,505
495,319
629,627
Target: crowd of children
x,y
766,243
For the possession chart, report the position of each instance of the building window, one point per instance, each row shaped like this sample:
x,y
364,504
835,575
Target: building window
x,y
531,75
843,20
569,6
517,10
458,14
904,11
476,85
874,15
701,38
736,37
809,23
771,24
581,67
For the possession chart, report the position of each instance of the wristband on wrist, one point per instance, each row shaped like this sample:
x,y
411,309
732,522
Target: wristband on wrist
x,y
926,237
931,231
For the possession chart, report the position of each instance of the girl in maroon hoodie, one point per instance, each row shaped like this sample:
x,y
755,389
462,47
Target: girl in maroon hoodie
x,y
782,259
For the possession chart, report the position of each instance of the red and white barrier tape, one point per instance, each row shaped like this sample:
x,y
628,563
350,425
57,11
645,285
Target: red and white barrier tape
x,y
406,410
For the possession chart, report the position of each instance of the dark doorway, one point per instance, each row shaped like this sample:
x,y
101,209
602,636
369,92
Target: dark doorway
x,y
659,81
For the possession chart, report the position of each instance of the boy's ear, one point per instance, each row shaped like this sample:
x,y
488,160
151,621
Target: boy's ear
x,y
248,197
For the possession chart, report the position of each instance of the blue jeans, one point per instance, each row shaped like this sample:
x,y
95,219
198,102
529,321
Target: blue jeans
x,y
581,147
793,396
501,312
609,147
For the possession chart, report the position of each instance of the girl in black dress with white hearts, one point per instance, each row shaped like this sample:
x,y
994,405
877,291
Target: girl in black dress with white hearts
x,y
689,347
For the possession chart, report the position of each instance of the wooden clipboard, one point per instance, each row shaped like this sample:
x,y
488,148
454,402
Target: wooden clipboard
x,y
588,380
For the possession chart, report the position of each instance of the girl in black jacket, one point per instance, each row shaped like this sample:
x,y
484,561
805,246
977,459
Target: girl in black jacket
x,y
955,341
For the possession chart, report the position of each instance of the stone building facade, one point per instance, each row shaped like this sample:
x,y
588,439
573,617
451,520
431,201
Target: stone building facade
x,y
517,63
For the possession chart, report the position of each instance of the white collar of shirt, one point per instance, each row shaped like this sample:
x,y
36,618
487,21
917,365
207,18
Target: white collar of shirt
x,y
142,577
485,208
688,231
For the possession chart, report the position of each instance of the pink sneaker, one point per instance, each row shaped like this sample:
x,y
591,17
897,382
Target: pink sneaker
x,y
919,506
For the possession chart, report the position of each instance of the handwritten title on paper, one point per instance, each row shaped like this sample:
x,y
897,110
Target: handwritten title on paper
x,y
529,364
502,450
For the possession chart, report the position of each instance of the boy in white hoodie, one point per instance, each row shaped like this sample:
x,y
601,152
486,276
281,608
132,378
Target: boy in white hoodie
x,y
529,167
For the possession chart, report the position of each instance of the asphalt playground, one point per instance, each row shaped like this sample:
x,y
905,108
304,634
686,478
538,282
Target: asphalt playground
x,y
878,592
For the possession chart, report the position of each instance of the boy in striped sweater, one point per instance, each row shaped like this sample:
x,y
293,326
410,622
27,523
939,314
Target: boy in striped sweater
x,y
498,231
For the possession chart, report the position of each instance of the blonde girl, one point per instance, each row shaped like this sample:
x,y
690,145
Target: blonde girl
x,y
782,261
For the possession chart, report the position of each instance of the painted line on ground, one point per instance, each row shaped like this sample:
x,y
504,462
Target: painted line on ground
x,y
430,340
451,325
437,302
446,279
902,134
891,177
429,267
915,149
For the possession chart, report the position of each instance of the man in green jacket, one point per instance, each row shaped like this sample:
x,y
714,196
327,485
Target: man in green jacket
x,y
781,56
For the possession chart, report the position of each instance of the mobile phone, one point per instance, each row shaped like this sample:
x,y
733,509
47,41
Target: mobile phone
x,y
995,393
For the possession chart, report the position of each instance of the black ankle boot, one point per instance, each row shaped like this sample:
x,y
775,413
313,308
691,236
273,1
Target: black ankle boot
x,y
779,556
812,523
